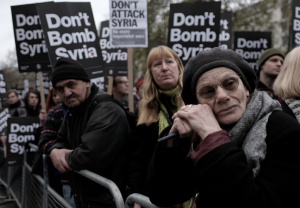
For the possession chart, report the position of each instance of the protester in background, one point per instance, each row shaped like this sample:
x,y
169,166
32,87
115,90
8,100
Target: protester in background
x,y
287,85
269,65
139,93
50,121
93,136
235,148
55,116
120,90
16,108
139,87
15,105
161,99
32,102
53,99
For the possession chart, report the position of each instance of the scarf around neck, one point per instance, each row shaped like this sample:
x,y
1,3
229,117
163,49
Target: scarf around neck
x,y
250,131
294,105
163,116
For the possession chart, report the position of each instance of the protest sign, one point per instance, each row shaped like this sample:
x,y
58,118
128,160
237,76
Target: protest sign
x,y
295,25
225,38
115,58
193,27
3,89
31,48
128,23
20,131
4,115
70,31
250,45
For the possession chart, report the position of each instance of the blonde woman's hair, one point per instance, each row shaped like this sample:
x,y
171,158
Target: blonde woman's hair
x,y
287,84
149,104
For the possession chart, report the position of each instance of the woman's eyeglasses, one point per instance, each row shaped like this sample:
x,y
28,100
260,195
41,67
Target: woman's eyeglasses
x,y
229,84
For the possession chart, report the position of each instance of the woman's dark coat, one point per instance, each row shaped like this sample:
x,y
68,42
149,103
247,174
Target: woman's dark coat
x,y
223,177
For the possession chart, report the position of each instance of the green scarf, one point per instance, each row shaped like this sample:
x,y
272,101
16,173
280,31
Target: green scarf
x,y
163,116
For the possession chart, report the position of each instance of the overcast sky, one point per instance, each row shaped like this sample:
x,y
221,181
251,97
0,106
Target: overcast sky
x,y
100,11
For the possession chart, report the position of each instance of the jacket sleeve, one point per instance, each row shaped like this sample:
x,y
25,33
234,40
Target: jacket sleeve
x,y
59,142
104,139
171,175
49,130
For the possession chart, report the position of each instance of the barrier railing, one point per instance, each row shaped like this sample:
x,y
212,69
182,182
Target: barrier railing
x,y
114,190
28,190
140,199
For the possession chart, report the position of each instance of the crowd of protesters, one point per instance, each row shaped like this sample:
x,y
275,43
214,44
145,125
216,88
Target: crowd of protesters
x,y
235,131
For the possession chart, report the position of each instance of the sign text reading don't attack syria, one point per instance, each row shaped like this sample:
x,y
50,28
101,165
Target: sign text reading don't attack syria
x,y
128,23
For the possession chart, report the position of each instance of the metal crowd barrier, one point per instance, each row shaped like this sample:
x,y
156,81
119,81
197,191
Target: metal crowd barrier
x,y
28,190
25,189
140,199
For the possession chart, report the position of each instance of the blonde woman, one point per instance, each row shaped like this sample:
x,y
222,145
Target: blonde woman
x,y
287,85
161,98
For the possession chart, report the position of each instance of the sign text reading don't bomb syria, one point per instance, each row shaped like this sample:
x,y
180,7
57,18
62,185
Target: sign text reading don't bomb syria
x,y
70,31
20,131
57,38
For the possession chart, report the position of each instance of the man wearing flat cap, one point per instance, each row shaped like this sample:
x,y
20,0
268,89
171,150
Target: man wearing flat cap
x,y
93,136
269,65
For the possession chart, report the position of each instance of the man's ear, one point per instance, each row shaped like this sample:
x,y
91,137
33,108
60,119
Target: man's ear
x,y
88,84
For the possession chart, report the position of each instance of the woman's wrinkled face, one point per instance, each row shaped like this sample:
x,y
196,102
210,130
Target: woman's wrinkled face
x,y
222,89
165,73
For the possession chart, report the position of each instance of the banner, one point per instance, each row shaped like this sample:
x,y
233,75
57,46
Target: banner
x,y
225,38
3,88
128,23
115,58
193,27
20,130
295,25
31,47
4,115
250,45
70,31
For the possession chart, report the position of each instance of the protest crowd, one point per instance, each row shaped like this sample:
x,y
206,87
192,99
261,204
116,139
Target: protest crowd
x,y
209,128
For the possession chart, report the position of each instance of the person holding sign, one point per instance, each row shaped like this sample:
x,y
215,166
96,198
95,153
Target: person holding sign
x,y
235,147
93,136
16,108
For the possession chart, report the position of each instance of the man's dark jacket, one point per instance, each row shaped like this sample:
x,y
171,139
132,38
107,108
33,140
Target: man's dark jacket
x,y
98,134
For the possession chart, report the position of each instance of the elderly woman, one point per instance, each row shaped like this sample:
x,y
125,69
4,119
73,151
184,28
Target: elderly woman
x,y
235,148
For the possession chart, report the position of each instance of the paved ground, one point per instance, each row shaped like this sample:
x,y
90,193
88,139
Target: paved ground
x,y
4,201
8,204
